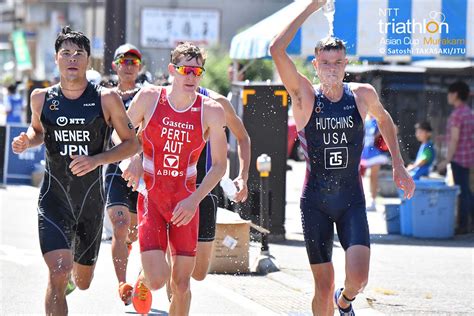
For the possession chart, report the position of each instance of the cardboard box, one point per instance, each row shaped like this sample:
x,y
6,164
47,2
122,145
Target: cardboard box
x,y
231,246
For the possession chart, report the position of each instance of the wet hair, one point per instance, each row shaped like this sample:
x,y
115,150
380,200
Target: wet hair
x,y
189,51
75,37
426,126
329,43
461,88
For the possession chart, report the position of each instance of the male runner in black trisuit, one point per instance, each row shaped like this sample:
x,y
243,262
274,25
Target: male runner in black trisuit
x,y
330,119
208,206
73,119
121,199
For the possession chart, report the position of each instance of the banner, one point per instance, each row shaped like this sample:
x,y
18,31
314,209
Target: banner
x,y
22,53
18,168
165,28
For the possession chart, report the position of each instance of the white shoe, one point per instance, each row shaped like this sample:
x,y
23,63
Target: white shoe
x,y
371,206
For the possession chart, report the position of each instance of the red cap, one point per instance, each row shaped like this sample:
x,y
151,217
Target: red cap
x,y
124,49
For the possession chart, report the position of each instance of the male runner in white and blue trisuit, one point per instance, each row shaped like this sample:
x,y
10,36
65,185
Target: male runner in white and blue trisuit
x,y
73,119
329,119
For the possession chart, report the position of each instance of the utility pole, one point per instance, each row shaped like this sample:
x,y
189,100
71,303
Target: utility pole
x,y
115,24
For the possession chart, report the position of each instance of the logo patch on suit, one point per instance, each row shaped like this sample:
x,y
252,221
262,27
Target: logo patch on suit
x,y
335,158
171,161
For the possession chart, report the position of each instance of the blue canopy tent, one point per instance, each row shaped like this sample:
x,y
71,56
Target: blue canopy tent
x,y
374,30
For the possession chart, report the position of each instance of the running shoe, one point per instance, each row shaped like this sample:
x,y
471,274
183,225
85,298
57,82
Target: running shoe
x,y
371,206
342,311
141,298
70,287
125,293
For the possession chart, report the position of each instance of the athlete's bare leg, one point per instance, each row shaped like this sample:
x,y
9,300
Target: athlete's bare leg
x,y
60,263
203,259
120,218
133,228
180,285
155,269
357,272
323,275
83,275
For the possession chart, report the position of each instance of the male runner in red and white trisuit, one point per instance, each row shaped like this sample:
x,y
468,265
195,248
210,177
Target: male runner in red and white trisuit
x,y
175,122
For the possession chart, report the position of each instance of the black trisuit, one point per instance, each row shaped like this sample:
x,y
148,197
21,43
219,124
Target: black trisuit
x,y
208,205
116,189
71,208
333,193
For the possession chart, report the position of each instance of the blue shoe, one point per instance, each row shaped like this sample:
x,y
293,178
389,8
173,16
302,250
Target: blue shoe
x,y
342,311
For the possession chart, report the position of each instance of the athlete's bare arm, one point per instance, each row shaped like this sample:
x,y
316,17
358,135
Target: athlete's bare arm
x,y
140,111
214,127
143,105
298,86
372,105
34,136
115,115
243,140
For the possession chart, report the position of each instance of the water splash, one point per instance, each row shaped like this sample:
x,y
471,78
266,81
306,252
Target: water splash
x,y
328,10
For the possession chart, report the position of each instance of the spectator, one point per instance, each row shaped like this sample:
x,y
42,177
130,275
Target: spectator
x,y
372,158
426,153
240,72
230,75
460,131
13,104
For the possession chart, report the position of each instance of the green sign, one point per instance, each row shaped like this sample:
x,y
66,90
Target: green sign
x,y
22,54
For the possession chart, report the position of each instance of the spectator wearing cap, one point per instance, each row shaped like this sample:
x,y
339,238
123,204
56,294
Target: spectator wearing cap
x,y
460,154
426,153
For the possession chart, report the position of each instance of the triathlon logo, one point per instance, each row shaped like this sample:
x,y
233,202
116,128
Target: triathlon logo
x,y
391,22
335,158
432,33
54,106
319,106
171,161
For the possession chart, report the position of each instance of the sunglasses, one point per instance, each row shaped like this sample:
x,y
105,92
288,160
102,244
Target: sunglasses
x,y
186,70
123,61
